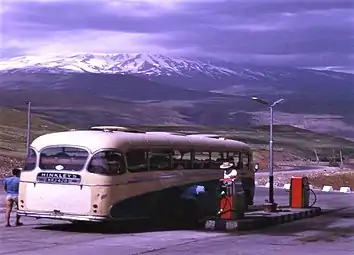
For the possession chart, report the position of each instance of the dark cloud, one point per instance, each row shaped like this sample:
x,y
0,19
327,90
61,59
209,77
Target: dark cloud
x,y
301,32
282,42
71,15
256,8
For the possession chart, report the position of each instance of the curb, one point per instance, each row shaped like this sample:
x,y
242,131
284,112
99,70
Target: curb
x,y
261,222
325,188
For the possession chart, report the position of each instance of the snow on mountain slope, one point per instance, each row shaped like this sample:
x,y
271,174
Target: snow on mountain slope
x,y
173,71
144,64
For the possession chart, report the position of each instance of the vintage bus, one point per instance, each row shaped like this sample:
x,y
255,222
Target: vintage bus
x,y
107,174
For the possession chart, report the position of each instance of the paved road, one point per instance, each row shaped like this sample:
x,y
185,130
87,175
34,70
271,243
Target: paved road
x,y
330,233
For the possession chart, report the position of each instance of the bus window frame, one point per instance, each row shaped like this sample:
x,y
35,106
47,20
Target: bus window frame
x,y
224,155
64,145
195,163
151,151
249,160
182,151
36,161
87,164
146,151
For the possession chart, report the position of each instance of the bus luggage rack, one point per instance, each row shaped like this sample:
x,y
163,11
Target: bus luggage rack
x,y
117,128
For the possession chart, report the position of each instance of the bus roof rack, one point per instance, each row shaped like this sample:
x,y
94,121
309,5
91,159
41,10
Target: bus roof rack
x,y
116,128
209,136
164,132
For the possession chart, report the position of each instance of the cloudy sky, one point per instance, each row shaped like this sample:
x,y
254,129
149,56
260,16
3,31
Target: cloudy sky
x,y
294,32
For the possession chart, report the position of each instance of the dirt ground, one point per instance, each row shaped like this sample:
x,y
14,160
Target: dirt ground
x,y
336,180
7,164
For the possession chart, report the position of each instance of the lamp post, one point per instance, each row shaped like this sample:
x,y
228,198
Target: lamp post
x,y
28,132
272,205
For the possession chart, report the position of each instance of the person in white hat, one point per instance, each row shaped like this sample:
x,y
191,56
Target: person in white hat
x,y
229,171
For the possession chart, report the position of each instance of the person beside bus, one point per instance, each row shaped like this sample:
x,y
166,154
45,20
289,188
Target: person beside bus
x,y
229,171
11,187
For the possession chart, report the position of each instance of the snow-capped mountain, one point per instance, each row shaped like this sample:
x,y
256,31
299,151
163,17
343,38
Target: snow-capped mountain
x,y
177,71
216,76
144,64
169,89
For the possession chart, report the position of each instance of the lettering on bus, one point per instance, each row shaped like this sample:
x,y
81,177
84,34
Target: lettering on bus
x,y
59,178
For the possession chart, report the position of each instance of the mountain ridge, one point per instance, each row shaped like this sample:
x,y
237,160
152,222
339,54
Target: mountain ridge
x,y
140,63
147,88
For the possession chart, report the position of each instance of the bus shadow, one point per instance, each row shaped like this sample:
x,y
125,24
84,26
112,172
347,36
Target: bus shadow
x,y
117,228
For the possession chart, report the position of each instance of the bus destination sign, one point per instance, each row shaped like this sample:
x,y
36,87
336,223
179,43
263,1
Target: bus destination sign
x,y
60,178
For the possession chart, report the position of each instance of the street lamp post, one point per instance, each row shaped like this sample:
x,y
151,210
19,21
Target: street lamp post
x,y
272,205
28,132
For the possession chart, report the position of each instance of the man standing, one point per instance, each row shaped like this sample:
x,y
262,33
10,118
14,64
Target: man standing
x,y
11,186
229,171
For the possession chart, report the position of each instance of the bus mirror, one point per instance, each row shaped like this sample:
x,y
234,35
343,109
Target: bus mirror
x,y
256,167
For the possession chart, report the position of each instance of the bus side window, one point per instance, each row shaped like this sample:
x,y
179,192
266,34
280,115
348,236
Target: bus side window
x,y
221,157
236,159
245,161
160,160
201,160
137,160
31,161
215,161
107,163
181,159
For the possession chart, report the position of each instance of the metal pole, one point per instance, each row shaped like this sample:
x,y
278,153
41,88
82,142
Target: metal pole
x,y
271,176
341,159
28,133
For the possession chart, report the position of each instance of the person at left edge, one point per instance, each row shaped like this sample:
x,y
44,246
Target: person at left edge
x,y
11,187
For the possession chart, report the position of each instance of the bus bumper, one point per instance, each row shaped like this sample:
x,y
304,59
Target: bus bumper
x,y
68,217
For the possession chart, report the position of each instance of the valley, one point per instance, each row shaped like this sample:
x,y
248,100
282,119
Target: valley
x,y
293,146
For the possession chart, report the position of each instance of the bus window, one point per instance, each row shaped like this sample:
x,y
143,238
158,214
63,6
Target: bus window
x,y
31,161
245,161
181,159
221,157
235,157
107,163
137,160
201,160
216,159
160,160
63,158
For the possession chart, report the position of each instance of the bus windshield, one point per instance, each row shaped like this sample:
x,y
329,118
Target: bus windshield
x,y
63,158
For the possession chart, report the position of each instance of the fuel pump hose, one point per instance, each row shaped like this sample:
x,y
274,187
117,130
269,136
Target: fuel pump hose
x,y
315,198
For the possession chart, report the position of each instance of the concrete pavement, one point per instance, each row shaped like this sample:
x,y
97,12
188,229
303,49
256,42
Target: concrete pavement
x,y
330,233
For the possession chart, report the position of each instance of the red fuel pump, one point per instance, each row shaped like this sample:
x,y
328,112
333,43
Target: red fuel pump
x,y
299,195
232,200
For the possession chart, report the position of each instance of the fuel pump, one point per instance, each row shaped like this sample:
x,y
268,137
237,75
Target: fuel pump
x,y
299,195
232,196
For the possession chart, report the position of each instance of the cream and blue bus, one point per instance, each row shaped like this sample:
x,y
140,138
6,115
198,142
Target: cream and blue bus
x,y
109,174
